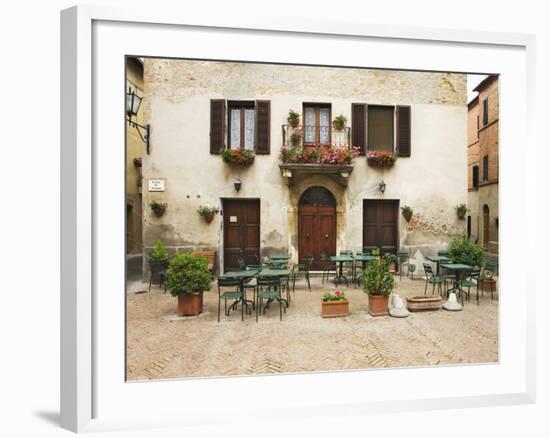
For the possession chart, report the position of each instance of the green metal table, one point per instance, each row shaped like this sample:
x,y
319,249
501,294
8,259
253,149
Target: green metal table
x,y
437,260
341,260
279,257
459,269
241,276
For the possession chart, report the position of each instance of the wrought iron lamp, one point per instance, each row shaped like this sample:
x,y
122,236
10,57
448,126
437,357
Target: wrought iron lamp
x,y
382,186
133,102
237,184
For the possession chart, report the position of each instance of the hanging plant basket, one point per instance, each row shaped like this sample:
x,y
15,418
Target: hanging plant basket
x,y
207,212
407,212
461,210
159,208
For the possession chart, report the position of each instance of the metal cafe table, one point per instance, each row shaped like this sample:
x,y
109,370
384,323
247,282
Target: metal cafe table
x,y
459,269
267,272
437,260
279,257
241,276
341,259
364,258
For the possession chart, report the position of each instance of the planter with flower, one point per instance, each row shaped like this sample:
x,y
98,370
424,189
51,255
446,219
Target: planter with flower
x,y
293,118
334,305
338,155
187,278
461,210
207,212
381,159
243,157
339,122
407,212
378,283
158,208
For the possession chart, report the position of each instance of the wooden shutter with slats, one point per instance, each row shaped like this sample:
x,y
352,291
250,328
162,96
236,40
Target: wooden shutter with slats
x,y
359,126
217,125
263,126
403,131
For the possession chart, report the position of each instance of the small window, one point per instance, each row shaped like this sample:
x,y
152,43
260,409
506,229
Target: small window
x,y
475,176
380,128
486,168
469,227
477,131
241,124
486,111
316,124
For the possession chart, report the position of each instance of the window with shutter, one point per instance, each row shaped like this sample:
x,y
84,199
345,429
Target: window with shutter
x,y
380,123
475,176
486,168
486,111
241,125
317,127
263,126
403,115
359,126
217,125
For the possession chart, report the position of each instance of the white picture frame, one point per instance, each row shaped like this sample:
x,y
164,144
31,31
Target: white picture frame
x,y
93,395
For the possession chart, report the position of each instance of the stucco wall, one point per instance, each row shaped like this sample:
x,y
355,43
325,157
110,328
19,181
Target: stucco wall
x,y
177,104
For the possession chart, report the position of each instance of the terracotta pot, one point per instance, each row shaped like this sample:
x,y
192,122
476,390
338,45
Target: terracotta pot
x,y
487,285
159,212
392,267
407,215
294,123
461,215
338,126
424,303
190,304
378,305
333,309
209,217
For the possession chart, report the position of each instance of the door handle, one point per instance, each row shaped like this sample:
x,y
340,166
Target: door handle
x,y
326,236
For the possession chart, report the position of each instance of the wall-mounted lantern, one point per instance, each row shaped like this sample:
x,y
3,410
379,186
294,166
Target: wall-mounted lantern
x,y
382,186
133,102
237,184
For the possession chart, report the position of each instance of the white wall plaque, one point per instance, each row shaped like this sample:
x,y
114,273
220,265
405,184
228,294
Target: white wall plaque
x,y
232,218
156,185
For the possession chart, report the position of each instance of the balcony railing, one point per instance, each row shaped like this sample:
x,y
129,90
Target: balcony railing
x,y
305,137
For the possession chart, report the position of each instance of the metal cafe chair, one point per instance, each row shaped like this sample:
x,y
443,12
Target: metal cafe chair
x,y
329,267
432,279
302,270
349,265
234,294
402,262
269,288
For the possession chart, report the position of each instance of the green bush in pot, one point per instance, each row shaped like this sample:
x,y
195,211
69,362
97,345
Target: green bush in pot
x,y
188,274
461,249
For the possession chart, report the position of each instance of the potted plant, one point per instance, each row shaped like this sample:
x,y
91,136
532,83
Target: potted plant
x,y
207,212
237,156
381,158
378,283
295,139
339,122
407,212
158,207
293,118
158,261
334,305
461,210
391,259
460,249
187,278
486,281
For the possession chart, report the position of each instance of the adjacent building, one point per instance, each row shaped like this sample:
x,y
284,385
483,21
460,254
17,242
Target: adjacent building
x,y
483,111
293,196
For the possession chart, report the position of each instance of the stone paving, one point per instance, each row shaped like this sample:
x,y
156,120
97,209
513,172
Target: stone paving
x,y
161,345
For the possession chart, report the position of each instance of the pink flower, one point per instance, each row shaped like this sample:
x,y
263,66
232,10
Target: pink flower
x,y
337,293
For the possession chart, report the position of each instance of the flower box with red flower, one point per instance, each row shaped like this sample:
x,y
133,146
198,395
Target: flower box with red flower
x,y
334,305
242,157
381,158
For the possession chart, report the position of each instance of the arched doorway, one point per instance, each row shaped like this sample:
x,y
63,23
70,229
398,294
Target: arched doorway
x,y
486,226
316,225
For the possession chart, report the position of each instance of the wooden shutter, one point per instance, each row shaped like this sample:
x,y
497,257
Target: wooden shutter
x,y
403,131
263,126
217,125
359,126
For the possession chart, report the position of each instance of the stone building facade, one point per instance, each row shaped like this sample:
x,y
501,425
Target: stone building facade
x,y
134,146
483,132
197,107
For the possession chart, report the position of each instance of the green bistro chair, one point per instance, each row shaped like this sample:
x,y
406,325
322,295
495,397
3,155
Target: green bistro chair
x,y
269,288
443,253
448,276
302,270
432,279
471,280
349,266
489,271
402,262
234,294
329,267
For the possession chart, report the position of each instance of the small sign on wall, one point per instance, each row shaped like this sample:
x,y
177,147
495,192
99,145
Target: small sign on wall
x,y
233,219
156,185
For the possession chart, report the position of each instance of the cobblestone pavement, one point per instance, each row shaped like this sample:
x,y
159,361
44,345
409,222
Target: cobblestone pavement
x,y
161,345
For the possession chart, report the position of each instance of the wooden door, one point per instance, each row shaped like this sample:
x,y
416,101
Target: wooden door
x,y
316,225
486,226
380,225
241,232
